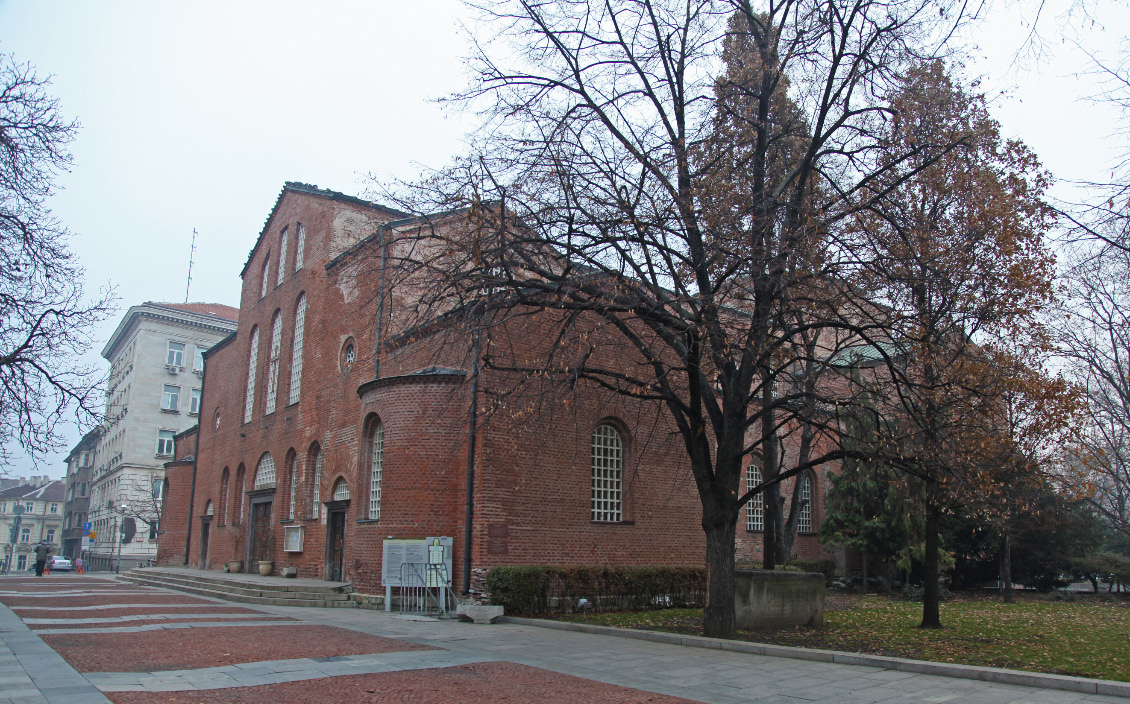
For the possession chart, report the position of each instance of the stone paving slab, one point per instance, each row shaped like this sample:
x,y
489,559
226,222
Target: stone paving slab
x,y
483,683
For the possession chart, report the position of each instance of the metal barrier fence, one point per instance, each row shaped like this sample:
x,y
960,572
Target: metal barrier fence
x,y
425,590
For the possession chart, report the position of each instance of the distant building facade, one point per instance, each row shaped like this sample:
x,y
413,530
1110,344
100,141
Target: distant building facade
x,y
77,482
156,357
40,515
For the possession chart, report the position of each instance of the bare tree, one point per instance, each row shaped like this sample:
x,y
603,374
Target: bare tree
x,y
645,190
45,320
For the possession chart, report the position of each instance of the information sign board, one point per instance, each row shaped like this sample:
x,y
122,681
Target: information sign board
x,y
416,551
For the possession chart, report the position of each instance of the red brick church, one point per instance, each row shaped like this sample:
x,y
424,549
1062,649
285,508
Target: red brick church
x,y
329,423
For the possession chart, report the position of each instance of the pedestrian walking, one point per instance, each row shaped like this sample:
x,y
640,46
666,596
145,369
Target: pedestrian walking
x,y
42,553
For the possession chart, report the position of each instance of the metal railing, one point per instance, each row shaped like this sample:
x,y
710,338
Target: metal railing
x,y
425,590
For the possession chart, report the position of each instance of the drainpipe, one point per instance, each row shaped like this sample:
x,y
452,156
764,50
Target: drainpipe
x,y
469,503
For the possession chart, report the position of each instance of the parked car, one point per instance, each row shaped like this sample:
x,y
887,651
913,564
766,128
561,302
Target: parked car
x,y
61,564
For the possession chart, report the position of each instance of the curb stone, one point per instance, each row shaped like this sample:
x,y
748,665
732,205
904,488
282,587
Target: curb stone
x,y
996,675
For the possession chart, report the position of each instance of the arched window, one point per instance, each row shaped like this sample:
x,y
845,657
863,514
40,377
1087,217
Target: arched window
x,y
224,481
282,257
755,509
209,509
251,364
376,470
296,354
316,489
805,487
265,473
266,275
273,366
300,247
240,479
607,474
341,490
293,482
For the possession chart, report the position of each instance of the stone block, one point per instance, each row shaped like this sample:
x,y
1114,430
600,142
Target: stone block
x,y
773,598
479,613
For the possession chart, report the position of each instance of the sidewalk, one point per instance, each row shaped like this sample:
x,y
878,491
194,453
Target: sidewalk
x,y
31,672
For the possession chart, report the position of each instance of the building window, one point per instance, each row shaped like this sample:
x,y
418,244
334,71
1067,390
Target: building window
x,y
293,484
296,354
265,472
53,507
341,490
156,487
25,534
50,535
84,459
273,366
174,356
804,486
607,474
194,402
376,469
300,247
266,275
198,360
250,402
82,489
29,507
282,257
225,479
755,509
240,477
316,494
21,562
170,398
165,443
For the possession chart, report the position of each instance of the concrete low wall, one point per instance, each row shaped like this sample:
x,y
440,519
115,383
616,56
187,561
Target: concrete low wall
x,y
770,598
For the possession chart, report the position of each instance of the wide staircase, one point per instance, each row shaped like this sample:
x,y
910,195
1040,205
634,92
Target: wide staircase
x,y
245,588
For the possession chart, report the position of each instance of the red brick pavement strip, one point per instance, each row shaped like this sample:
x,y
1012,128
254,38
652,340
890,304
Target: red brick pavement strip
x,y
193,648
482,683
40,627
27,612
139,598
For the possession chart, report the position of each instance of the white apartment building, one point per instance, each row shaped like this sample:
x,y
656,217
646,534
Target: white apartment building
x,y
29,513
156,374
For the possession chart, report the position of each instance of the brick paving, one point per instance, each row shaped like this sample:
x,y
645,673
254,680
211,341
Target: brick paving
x,y
481,683
164,646
191,648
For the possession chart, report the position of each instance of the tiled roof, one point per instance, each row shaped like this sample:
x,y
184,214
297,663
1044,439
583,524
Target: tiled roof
x,y
54,491
217,309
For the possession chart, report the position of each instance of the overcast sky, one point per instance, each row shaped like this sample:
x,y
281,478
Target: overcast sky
x,y
194,114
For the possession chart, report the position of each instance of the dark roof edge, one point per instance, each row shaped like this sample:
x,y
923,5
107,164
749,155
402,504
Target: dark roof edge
x,y
431,374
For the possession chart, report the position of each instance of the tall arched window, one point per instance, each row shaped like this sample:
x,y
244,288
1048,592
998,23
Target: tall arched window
x,y
266,275
224,481
755,509
265,473
251,364
282,257
300,247
273,366
341,490
804,486
296,354
240,479
607,474
316,490
376,470
293,482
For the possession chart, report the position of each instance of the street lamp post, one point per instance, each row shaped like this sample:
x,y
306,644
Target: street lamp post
x,y
118,565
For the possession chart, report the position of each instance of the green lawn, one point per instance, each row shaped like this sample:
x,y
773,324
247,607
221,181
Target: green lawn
x,y
1084,638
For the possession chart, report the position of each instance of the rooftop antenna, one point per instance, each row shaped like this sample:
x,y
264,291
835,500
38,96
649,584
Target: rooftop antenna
x,y
191,254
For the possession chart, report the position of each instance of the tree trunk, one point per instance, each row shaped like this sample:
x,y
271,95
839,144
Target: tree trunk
x,y
718,619
863,558
771,504
1006,562
931,614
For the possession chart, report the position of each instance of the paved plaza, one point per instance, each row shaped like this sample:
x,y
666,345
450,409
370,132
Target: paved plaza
x,y
68,638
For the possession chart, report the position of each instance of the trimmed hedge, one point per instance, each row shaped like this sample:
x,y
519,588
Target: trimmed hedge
x,y
542,589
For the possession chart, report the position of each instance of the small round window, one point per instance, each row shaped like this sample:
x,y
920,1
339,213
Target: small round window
x,y
348,354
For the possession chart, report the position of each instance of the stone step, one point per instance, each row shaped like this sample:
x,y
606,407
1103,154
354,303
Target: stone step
x,y
243,594
243,588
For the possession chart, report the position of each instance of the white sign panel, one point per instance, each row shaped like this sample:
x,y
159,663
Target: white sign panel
x,y
418,553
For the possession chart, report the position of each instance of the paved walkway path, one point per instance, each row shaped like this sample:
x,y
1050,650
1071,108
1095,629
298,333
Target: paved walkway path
x,y
31,671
